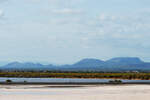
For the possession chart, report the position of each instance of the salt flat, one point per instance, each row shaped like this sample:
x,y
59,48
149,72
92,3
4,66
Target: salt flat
x,y
65,92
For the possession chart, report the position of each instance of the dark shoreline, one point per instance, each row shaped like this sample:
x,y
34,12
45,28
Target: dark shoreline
x,y
72,83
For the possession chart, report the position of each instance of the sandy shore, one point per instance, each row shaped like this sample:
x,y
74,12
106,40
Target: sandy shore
x,y
73,92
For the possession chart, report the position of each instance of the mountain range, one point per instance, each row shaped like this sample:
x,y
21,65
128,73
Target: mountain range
x,y
119,64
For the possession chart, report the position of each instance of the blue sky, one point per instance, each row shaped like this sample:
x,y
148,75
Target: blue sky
x,y
65,31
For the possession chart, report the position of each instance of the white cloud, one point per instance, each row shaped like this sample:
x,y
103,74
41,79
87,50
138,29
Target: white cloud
x,y
1,13
104,17
121,31
66,11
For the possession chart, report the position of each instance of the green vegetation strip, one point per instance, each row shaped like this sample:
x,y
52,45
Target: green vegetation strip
x,y
142,76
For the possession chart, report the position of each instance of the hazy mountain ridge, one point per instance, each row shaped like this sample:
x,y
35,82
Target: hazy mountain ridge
x,y
89,64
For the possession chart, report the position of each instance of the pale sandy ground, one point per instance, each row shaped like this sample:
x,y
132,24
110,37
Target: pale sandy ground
x,y
101,92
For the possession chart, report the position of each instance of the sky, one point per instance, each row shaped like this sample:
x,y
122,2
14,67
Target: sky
x,y
65,31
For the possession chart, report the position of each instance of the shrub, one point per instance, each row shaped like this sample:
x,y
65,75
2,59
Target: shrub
x,y
25,81
8,81
115,81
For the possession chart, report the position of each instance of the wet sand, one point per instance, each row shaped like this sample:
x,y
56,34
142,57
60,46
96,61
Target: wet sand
x,y
74,92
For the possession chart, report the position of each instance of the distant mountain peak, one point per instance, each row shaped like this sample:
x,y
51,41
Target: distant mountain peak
x,y
14,63
89,61
134,60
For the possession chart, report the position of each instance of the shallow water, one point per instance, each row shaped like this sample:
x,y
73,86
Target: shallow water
x,y
59,80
